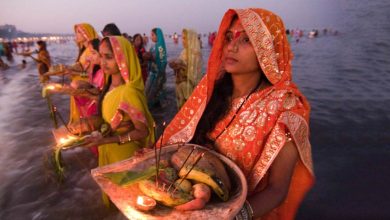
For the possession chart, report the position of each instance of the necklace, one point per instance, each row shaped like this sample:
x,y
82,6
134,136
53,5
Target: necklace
x,y
239,107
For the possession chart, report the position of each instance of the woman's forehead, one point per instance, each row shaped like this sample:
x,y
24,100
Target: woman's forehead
x,y
236,23
104,47
236,27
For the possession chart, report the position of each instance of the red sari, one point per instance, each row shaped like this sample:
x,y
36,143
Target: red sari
x,y
259,130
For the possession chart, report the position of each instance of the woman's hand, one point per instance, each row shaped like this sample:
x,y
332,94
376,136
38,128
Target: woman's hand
x,y
95,139
80,127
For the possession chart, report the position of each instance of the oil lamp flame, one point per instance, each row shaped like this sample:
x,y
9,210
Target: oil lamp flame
x,y
53,86
66,140
145,203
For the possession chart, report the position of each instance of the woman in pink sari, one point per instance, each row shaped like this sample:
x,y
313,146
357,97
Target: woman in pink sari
x,y
248,109
88,92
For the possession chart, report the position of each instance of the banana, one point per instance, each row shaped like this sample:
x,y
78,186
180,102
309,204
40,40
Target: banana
x,y
209,170
149,188
208,178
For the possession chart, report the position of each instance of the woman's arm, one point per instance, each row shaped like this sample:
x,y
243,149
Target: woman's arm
x,y
139,132
280,174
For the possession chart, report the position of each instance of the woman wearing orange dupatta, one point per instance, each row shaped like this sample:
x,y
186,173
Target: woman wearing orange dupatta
x,y
247,108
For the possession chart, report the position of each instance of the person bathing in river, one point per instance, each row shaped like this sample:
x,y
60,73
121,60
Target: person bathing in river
x,y
43,60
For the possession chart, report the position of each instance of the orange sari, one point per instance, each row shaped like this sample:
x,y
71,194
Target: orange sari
x,y
258,132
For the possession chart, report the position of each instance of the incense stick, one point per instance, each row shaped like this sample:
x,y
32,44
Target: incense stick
x,y
155,153
61,118
181,167
159,151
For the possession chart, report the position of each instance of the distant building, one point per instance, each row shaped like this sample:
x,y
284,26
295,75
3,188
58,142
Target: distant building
x,y
8,31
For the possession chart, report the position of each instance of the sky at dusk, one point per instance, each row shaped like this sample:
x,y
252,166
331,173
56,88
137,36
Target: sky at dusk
x,y
131,16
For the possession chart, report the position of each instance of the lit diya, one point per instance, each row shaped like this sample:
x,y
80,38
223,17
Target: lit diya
x,y
50,87
66,140
145,203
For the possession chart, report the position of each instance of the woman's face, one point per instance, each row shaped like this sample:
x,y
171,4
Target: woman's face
x,y
79,36
239,56
108,62
153,36
94,55
184,38
138,41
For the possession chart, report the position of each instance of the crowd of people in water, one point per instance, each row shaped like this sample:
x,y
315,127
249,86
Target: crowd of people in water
x,y
245,106
18,46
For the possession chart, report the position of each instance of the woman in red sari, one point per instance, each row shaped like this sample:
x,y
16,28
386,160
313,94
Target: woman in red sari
x,y
248,109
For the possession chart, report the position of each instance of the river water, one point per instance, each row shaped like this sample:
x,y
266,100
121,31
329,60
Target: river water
x,y
345,77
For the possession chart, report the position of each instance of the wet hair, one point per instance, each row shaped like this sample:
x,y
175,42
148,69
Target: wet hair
x,y
217,108
95,45
109,80
111,29
81,51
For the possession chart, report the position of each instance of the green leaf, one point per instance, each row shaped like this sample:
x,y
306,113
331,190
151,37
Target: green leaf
x,y
126,178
